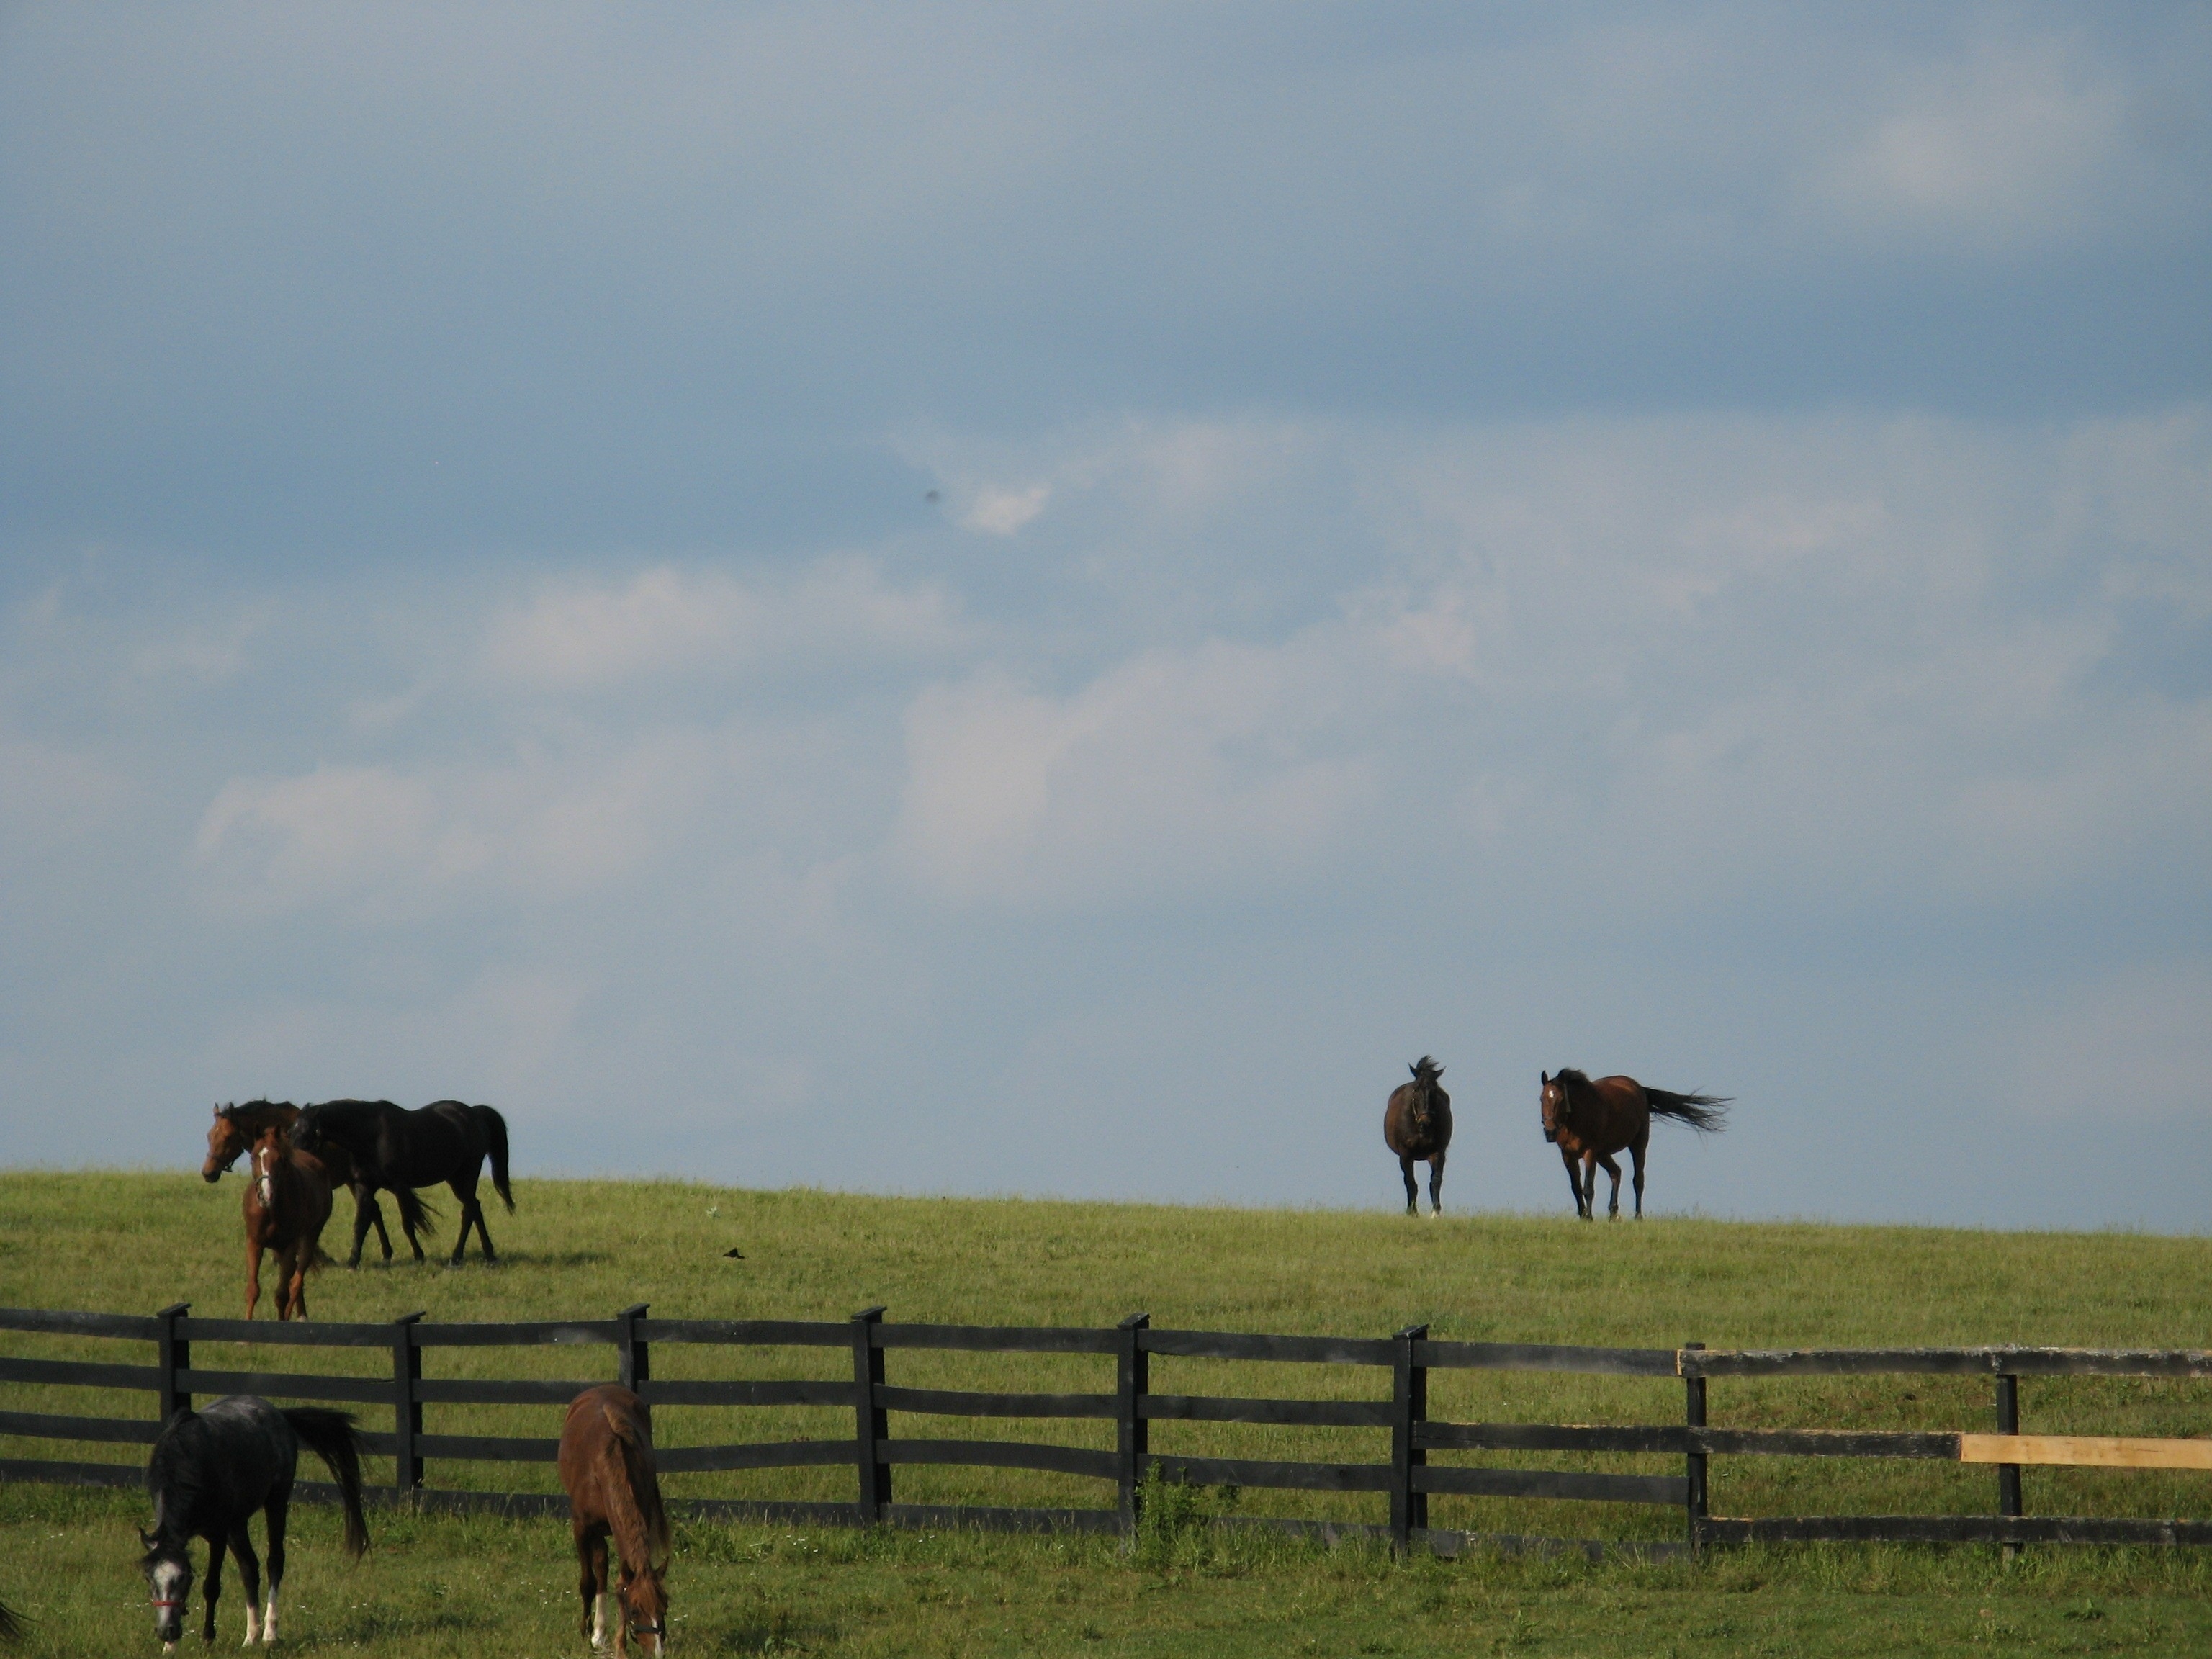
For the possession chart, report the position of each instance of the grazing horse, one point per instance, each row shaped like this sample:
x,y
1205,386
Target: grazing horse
x,y
211,1470
236,1128
1417,1124
398,1151
1589,1121
606,1468
285,1204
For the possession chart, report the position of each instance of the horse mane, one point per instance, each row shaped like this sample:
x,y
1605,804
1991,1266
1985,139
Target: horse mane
x,y
631,1490
1425,1069
1570,1074
176,1482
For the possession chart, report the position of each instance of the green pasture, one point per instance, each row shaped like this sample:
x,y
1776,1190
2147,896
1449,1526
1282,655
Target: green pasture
x,y
135,1242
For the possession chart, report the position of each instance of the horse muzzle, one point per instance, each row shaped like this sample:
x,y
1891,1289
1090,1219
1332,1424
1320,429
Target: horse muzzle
x,y
1551,1136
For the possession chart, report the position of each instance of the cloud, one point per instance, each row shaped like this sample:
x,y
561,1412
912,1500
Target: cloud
x,y
1003,512
839,614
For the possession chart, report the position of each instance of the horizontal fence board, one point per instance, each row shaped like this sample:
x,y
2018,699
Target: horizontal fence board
x,y
1297,1350
794,1393
955,1402
1546,1436
521,1391
300,1333
1953,1529
1255,1472
763,1455
62,1321
80,1373
487,1448
530,1334
39,1426
997,1338
1822,1442
2086,1451
1544,1356
1002,1454
1943,1362
749,1332
1307,1414
71,1474
1669,1489
294,1385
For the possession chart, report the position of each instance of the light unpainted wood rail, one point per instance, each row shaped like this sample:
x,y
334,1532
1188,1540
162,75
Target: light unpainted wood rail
x,y
2094,1451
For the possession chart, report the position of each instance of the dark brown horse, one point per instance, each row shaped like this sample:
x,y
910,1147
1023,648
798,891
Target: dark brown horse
x,y
236,1128
1417,1124
1589,1121
606,1468
288,1199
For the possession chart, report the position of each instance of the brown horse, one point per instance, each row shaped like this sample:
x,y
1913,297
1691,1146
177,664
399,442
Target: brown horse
x,y
606,1467
236,1128
1589,1121
1416,1125
288,1199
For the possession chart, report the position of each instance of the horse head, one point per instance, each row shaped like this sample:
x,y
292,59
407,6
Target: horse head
x,y
1425,1072
226,1141
1559,1112
169,1569
644,1597
268,1152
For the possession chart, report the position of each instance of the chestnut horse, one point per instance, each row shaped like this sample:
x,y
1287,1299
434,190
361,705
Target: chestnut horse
x,y
1589,1121
606,1468
236,1128
288,1199
1417,1124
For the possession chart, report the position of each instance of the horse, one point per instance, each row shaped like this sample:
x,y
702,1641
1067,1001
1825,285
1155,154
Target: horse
x,y
447,1140
236,1128
285,1204
1589,1121
1417,1124
211,1470
606,1468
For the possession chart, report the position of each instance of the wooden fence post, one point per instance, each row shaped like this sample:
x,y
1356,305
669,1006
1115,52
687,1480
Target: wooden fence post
x,y
2009,1498
871,1424
176,1355
1694,1464
633,1357
1133,1436
1409,1396
406,1408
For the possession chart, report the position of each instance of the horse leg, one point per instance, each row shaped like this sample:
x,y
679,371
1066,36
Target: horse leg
x,y
252,1274
1612,1210
1412,1185
249,1569
591,1552
1590,1186
214,1591
1574,1179
278,1507
1636,1157
1437,1184
471,1216
364,1203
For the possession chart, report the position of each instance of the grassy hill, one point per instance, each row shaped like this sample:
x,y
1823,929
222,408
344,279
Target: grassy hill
x,y
134,1242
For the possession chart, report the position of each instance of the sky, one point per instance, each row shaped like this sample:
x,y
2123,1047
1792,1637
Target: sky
x,y
1038,599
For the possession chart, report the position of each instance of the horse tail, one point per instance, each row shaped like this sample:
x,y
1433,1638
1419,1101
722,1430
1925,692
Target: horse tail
x,y
1705,1112
496,1134
417,1216
332,1437
631,1484
11,1624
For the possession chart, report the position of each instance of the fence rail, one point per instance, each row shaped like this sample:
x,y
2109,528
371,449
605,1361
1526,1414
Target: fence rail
x,y
1404,1361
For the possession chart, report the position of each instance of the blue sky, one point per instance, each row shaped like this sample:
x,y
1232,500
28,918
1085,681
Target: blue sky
x,y
1024,599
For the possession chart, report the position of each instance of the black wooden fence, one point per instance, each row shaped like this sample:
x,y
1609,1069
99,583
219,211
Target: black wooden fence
x,y
1406,1477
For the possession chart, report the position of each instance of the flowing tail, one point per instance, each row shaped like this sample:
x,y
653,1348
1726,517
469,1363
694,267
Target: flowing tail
x,y
332,1437
634,1479
417,1217
496,1134
1705,1112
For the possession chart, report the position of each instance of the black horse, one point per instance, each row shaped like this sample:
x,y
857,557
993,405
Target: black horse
x,y
211,1470
397,1150
1417,1124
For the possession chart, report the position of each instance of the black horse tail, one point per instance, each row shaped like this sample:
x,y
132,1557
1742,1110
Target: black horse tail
x,y
11,1626
417,1216
1705,1112
495,1134
332,1437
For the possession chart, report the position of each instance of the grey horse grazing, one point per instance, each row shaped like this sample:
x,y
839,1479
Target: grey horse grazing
x,y
1417,1124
